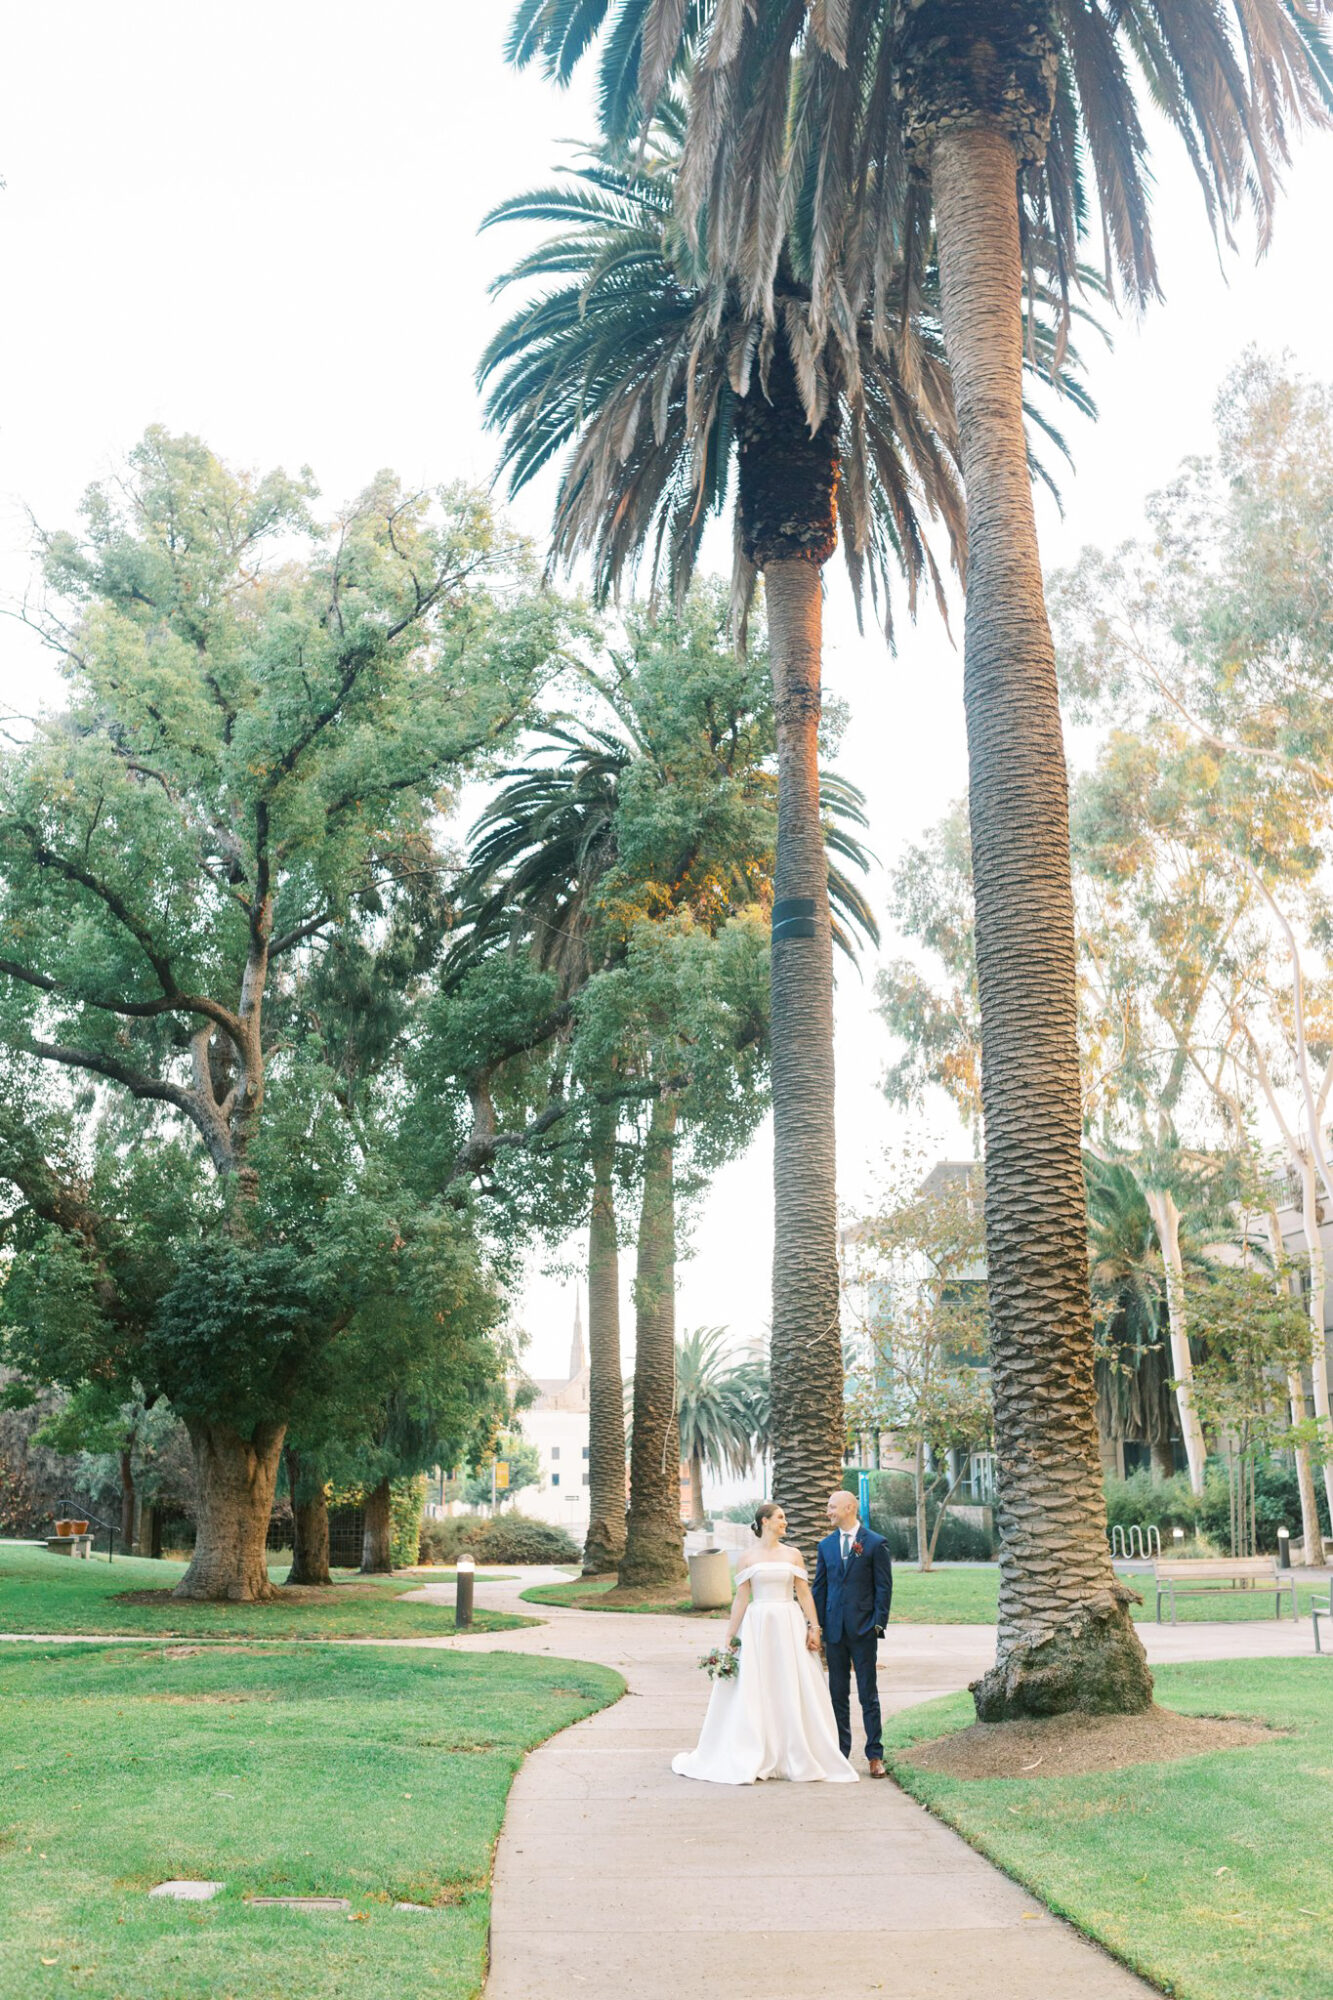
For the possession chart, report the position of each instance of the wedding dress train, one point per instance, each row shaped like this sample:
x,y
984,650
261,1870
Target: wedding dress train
x,y
774,1719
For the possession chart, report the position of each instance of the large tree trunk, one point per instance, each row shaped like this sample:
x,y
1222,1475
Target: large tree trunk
x,y
377,1537
234,1478
808,1420
1166,1221
310,1526
787,495
654,1543
1066,1640
127,1498
605,1543
1163,1458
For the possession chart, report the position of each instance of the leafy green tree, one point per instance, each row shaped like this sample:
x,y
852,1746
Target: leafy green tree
x,y
524,1463
957,134
264,712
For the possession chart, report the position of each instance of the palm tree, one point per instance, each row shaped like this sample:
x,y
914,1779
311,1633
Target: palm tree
x,y
541,852
1132,1370
896,131
712,1411
660,383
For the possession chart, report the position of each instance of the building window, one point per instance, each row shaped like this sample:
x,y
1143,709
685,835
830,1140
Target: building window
x,y
555,1479
555,1452
585,1451
585,1479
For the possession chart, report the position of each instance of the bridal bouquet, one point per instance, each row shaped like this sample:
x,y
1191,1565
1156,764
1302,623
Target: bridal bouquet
x,y
723,1663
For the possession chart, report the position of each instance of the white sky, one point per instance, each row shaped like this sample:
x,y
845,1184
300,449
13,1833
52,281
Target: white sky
x,y
258,223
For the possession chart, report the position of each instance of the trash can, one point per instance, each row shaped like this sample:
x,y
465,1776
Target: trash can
x,y
710,1580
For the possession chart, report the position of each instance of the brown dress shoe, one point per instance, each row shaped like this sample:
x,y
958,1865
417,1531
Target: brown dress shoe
x,y
877,1768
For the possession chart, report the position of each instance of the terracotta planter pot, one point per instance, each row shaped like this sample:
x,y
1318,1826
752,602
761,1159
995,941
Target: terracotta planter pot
x,y
62,1527
78,1527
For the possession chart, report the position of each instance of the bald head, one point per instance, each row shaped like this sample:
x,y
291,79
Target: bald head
x,y
842,1508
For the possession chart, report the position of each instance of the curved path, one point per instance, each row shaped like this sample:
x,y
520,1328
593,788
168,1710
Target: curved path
x,y
616,1880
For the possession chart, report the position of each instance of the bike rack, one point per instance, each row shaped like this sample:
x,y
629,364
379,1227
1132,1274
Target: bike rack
x,y
1143,1540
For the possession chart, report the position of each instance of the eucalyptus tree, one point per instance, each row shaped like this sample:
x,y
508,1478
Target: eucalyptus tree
x,y
664,390
946,130
262,713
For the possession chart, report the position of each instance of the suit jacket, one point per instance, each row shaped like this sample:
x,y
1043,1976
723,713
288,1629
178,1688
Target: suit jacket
x,y
853,1600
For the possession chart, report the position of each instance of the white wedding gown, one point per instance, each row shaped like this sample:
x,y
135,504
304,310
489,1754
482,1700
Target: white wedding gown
x,y
774,1719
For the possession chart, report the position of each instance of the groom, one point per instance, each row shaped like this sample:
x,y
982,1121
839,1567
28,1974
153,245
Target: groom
x,y
852,1590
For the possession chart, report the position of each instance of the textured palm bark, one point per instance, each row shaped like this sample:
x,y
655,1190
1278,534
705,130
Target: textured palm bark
x,y
377,1532
235,1480
1065,1640
605,1542
1166,1221
807,1379
655,1542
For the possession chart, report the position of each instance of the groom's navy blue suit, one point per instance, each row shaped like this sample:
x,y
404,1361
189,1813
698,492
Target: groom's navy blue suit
x,y
852,1600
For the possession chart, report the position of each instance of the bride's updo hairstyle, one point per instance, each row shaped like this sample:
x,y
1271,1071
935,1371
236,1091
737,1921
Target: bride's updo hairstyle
x,y
762,1514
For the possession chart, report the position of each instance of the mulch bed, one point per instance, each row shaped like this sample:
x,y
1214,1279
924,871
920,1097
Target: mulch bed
x,y
1071,1746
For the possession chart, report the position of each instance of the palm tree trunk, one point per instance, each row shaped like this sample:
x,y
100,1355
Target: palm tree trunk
x,y
1166,1221
807,1384
654,1543
1065,1640
605,1543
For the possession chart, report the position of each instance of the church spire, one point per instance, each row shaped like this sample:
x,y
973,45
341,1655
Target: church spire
x,y
576,1357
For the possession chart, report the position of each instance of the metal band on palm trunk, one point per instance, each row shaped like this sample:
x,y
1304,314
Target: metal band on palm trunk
x,y
794,917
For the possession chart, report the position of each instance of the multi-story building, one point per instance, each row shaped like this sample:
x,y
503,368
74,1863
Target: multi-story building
x,y
557,1424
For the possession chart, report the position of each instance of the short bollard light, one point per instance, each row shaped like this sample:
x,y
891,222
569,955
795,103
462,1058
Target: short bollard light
x,y
466,1570
1284,1548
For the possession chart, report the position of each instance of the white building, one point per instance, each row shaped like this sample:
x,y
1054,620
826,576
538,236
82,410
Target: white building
x,y
557,1424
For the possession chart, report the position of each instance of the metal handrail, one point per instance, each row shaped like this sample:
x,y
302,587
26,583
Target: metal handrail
x,y
81,1513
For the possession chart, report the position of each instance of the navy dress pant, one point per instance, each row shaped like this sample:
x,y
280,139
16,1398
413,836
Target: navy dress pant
x,y
843,1655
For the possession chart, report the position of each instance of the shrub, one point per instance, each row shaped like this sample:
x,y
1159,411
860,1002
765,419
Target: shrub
x,y
506,1538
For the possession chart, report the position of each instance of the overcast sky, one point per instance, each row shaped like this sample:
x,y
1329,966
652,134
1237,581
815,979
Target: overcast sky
x,y
259,223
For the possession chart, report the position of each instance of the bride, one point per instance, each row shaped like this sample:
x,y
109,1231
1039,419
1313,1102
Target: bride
x,y
774,1719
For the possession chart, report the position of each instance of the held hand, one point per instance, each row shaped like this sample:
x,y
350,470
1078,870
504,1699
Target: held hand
x,y
811,1640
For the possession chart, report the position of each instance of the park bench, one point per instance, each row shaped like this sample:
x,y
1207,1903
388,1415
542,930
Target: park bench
x,y
1318,1611
1198,1576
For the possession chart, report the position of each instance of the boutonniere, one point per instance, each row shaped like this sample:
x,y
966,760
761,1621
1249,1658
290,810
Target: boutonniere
x,y
858,1548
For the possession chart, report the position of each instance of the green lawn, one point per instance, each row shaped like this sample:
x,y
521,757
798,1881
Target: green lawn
x,y
948,1597
360,1772
1212,1876
45,1593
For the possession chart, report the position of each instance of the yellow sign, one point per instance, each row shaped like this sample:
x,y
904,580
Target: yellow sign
x,y
502,1472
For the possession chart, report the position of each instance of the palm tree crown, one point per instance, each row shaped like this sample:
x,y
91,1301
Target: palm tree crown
x,y
648,375
831,111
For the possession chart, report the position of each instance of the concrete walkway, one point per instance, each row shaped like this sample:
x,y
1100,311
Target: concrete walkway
x,y
616,1878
